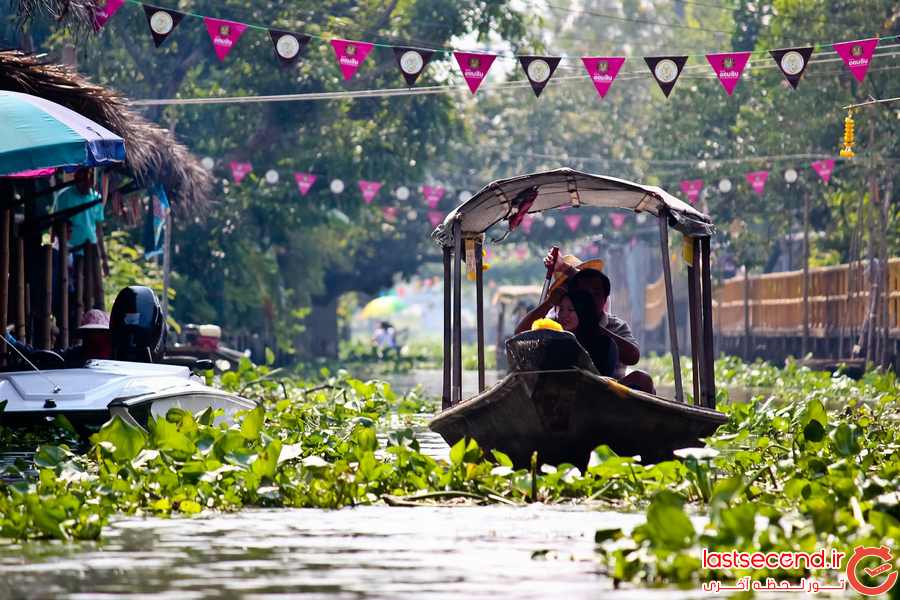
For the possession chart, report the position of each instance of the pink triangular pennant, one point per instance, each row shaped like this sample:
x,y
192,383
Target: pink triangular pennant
x,y
104,10
757,180
239,170
692,188
572,221
369,189
433,195
527,223
223,34
618,219
728,67
304,182
474,67
857,55
435,217
602,71
350,55
390,213
824,168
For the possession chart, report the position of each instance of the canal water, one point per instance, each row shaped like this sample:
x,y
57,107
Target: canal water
x,y
355,553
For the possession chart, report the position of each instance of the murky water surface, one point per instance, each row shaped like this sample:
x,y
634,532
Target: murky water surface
x,y
360,553
365,552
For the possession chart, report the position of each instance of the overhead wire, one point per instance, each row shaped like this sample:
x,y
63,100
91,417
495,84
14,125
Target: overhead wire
x,y
449,88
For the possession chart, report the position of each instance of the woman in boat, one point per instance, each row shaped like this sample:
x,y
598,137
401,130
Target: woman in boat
x,y
577,313
588,276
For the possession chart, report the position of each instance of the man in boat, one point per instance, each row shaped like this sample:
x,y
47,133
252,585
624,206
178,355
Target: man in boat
x,y
588,276
96,341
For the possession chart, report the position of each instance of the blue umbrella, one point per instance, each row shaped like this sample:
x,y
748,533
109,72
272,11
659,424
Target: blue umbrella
x,y
36,134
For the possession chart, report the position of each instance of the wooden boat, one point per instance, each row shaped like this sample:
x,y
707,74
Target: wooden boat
x,y
553,401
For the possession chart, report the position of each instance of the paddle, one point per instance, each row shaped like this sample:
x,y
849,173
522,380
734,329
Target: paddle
x,y
554,256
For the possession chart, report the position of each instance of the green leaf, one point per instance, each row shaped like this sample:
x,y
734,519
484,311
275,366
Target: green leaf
x,y
167,437
366,439
457,452
845,439
50,456
502,459
189,507
270,356
252,423
814,431
667,524
126,439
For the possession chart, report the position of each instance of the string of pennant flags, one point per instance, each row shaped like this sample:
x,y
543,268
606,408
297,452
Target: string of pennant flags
x,y
434,194
290,46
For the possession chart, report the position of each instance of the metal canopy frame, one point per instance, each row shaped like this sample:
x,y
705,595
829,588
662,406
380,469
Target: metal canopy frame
x,y
701,318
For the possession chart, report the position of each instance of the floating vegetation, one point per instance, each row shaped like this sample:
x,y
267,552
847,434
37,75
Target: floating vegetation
x,y
780,475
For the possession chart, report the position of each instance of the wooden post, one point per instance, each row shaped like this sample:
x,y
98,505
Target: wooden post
x,y
46,341
457,311
97,278
20,288
670,302
694,317
167,262
88,277
746,313
479,313
79,288
501,325
446,401
805,344
708,383
5,216
62,318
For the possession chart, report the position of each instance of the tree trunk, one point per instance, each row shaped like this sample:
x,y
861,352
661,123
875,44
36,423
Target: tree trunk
x,y
320,340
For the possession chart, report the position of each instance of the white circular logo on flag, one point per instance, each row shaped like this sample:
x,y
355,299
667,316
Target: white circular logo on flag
x,y
287,46
792,62
666,70
538,70
411,215
402,192
596,220
337,186
161,22
549,221
272,176
411,62
208,163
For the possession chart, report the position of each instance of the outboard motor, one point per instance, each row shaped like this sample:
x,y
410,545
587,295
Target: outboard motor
x,y
137,326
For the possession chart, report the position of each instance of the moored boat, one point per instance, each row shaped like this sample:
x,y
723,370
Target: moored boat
x,y
554,401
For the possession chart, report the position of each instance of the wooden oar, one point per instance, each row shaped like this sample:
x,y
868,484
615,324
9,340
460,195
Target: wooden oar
x,y
554,256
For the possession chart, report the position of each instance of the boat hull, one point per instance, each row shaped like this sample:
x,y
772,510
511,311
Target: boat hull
x,y
563,414
89,397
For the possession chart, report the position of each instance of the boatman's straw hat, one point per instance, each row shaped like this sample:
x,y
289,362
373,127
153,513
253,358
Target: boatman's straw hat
x,y
594,264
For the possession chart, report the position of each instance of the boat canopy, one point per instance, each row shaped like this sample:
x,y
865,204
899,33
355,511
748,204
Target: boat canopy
x,y
505,198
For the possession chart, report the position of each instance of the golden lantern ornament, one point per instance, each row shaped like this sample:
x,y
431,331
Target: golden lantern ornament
x,y
849,135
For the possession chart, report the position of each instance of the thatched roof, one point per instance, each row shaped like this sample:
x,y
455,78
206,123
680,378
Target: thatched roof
x,y
77,15
152,153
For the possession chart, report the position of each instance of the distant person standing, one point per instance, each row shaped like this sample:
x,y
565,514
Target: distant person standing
x,y
384,339
86,235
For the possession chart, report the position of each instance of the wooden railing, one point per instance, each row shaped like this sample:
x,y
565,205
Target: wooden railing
x,y
772,304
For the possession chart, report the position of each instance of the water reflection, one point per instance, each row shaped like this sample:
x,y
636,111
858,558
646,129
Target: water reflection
x,y
364,552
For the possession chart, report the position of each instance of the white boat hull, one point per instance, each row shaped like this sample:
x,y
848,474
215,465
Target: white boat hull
x,y
90,396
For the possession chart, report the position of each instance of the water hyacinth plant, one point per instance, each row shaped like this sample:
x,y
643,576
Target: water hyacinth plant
x,y
783,473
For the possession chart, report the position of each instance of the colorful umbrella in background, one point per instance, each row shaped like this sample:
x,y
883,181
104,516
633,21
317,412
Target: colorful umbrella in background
x,y
382,307
38,134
